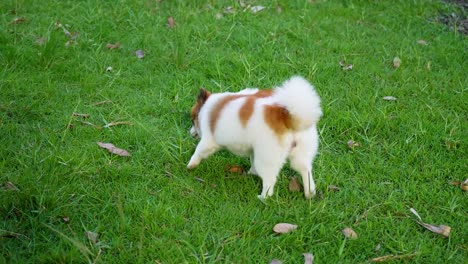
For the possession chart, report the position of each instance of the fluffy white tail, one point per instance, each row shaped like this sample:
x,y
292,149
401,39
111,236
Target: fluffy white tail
x,y
301,100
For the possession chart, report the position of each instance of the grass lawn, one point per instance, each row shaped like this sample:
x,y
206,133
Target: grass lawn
x,y
63,199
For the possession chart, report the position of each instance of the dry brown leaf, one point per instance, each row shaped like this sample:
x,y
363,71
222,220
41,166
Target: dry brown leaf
x,y
10,186
140,54
396,62
81,115
422,42
345,66
235,169
333,188
111,124
389,98
308,258
455,183
113,149
393,257
464,185
352,144
349,233
17,20
91,236
442,230
284,228
170,22
113,46
294,185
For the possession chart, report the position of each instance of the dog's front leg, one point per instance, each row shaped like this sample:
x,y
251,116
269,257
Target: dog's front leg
x,y
204,149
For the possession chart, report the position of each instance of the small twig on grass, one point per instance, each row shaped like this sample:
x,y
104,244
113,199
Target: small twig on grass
x,y
10,234
111,124
394,257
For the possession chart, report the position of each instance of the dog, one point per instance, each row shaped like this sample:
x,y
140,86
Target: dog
x,y
270,126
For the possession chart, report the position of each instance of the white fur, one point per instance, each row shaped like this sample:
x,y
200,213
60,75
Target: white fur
x,y
267,151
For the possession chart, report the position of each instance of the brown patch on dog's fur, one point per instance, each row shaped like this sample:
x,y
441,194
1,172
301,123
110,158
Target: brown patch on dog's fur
x,y
218,107
245,112
201,99
278,119
247,109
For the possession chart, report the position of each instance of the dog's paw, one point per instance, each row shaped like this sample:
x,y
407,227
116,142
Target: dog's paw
x,y
310,195
252,171
193,163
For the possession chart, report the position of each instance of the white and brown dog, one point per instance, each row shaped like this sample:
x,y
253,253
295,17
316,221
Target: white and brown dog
x,y
267,125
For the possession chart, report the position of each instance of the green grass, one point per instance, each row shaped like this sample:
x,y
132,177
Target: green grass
x,y
148,208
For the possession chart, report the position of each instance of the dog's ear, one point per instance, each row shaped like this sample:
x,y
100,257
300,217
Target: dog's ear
x,y
203,95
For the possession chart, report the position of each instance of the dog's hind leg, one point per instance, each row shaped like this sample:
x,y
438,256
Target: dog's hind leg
x,y
305,169
268,163
204,149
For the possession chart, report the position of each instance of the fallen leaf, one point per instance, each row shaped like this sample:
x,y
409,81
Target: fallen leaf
x,y
345,67
396,62
256,9
170,22
111,124
113,149
276,261
294,185
422,42
393,257
389,98
81,115
442,230
17,20
415,213
113,46
455,183
349,233
235,169
284,228
91,236
352,144
333,188
308,258
140,54
10,186
464,185
66,219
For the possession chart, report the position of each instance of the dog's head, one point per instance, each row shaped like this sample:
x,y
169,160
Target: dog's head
x,y
201,99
